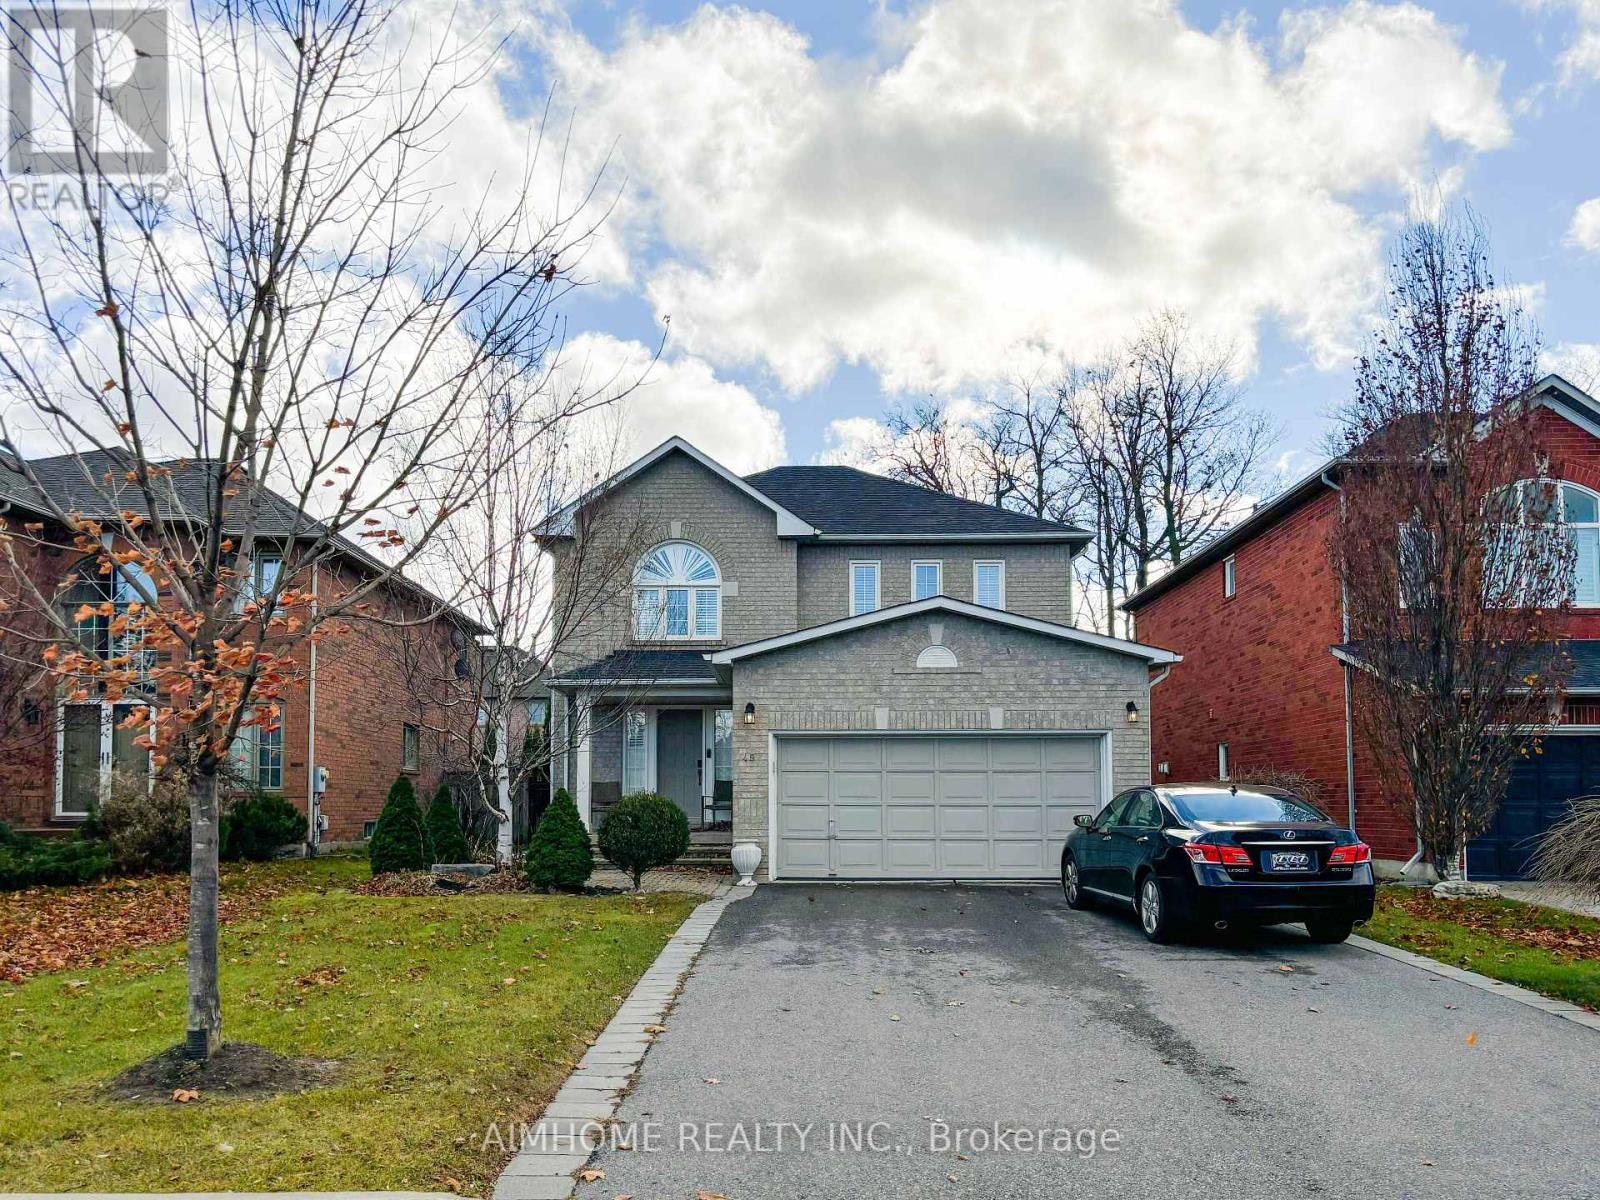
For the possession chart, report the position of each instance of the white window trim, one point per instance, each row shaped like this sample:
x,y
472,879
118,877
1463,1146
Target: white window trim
x,y
1222,760
1230,578
938,569
108,720
692,589
415,768
877,585
989,562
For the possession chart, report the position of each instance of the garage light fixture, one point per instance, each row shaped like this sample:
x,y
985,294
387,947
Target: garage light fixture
x,y
749,712
1133,713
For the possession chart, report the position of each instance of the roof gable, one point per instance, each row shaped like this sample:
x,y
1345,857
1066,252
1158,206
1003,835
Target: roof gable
x,y
789,525
1154,655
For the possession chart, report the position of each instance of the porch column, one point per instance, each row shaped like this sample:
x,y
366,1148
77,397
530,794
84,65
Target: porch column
x,y
585,755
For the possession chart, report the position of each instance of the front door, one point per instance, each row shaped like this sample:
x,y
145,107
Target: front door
x,y
680,736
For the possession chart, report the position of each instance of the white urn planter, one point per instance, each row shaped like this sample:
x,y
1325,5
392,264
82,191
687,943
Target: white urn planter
x,y
746,858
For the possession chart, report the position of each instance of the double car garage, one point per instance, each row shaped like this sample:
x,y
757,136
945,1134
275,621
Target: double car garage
x,y
925,806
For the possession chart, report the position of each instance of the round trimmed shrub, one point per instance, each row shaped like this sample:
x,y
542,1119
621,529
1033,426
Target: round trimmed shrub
x,y
559,855
257,825
443,823
642,832
399,842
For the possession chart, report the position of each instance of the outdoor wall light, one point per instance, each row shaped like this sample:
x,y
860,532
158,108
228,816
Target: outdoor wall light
x,y
750,712
1133,713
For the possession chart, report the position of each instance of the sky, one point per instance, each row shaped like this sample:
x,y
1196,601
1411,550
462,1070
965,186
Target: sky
x,y
823,208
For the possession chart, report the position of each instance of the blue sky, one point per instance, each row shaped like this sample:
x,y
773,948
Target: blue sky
x,y
801,308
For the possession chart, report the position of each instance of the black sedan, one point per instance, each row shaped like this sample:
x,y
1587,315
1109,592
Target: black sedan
x,y
1214,856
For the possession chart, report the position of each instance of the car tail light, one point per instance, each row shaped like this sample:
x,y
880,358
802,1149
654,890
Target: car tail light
x,y
1345,856
1212,852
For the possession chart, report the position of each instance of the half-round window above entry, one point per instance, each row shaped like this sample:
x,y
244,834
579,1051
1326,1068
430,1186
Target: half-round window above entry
x,y
934,657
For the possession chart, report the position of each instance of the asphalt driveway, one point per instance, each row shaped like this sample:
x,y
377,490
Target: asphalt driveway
x,y
855,1032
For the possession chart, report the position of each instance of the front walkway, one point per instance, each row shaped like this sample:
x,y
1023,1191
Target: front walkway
x,y
836,1040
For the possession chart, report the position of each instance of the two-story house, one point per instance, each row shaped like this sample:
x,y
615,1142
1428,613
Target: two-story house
x,y
865,678
355,710
1266,675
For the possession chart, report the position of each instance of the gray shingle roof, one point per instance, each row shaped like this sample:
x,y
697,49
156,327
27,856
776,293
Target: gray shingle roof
x,y
647,666
845,501
95,484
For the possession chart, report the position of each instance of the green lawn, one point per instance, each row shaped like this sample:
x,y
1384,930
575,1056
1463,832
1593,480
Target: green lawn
x,y
1543,949
445,1015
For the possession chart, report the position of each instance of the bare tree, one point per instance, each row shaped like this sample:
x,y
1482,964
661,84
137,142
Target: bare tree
x,y
1448,544
493,560
927,444
258,359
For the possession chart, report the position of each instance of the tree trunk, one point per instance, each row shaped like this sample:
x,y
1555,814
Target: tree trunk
x,y
502,788
204,1036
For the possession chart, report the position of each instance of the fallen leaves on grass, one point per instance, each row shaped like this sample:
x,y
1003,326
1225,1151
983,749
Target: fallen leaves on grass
x,y
63,928
184,1095
426,883
1525,924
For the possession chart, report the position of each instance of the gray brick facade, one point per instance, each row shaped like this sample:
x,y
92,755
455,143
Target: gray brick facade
x,y
1038,577
868,679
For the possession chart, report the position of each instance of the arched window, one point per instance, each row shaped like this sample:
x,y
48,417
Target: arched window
x,y
677,594
1576,511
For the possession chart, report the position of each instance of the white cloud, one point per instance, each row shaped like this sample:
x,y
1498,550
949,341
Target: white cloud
x,y
1577,362
1579,59
1585,228
674,396
1019,177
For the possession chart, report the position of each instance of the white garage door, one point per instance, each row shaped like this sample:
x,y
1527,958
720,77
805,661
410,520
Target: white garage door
x,y
925,807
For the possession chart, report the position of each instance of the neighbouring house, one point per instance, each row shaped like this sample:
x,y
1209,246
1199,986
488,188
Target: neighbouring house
x,y
1266,676
865,678
356,710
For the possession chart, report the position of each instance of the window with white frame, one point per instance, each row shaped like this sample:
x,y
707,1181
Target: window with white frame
x,y
989,584
1554,505
927,579
1229,579
1222,760
635,753
864,591
257,754
410,748
677,595
264,572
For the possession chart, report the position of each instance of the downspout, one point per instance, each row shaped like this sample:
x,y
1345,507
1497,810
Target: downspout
x,y
313,834
1349,705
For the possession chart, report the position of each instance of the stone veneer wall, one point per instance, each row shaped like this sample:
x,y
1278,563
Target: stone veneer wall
x,y
869,680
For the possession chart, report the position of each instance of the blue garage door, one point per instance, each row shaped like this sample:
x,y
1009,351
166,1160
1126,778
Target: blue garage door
x,y
1541,792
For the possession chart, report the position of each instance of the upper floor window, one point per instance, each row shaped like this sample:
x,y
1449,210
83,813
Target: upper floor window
x,y
864,592
1230,580
410,747
989,584
1569,508
264,571
927,579
111,630
677,594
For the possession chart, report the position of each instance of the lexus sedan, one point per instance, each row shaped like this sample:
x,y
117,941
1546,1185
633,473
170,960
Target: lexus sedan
x,y
1189,857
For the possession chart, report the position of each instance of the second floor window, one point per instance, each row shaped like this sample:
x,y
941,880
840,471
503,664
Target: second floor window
x,y
111,633
989,584
410,748
863,587
677,594
928,578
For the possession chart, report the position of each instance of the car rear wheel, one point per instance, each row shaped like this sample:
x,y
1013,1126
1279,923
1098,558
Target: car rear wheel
x,y
1154,917
1072,884
1330,930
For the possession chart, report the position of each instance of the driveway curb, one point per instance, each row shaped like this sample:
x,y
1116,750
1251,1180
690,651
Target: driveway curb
x,y
1556,1008
561,1140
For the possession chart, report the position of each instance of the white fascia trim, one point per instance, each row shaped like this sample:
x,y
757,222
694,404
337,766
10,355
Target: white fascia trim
x,y
1067,633
1589,424
789,525
958,538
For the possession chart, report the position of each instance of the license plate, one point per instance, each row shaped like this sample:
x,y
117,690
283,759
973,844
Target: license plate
x,y
1290,860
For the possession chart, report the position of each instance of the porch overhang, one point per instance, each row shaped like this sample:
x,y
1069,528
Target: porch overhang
x,y
646,675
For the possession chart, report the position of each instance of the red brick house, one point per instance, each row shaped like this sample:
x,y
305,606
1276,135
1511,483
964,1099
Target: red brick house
x,y
361,709
1256,615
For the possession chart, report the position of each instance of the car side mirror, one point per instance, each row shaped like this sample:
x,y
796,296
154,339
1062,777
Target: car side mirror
x,y
1083,820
